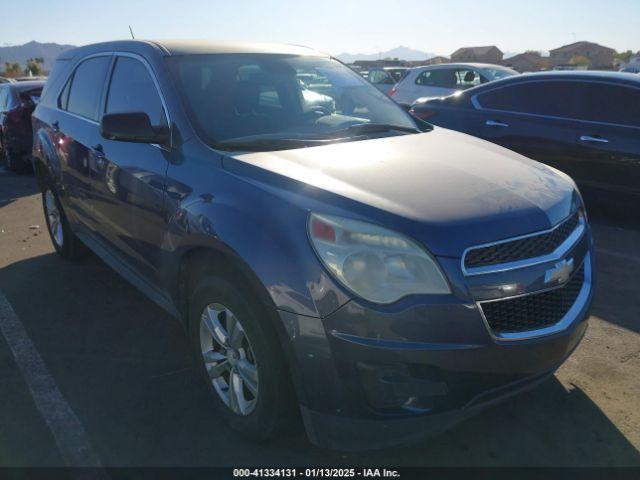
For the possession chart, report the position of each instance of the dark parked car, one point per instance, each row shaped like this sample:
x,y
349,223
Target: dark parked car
x,y
586,124
384,278
17,102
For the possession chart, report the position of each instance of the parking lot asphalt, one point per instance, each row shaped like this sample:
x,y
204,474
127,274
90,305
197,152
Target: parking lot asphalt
x,y
122,366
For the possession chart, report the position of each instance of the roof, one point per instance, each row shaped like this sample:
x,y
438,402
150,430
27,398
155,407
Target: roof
x,y
460,65
27,85
586,75
475,50
578,45
529,57
190,47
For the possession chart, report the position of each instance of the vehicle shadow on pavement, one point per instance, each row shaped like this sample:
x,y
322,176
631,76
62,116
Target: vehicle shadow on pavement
x,y
20,185
618,270
124,367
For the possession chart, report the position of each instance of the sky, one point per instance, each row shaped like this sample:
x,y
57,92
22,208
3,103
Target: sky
x,y
332,26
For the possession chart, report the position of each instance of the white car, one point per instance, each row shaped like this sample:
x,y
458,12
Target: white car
x,y
442,80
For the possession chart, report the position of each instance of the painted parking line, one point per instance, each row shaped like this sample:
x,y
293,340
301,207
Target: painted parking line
x,y
68,433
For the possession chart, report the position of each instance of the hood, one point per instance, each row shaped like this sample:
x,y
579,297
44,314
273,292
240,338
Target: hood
x,y
454,190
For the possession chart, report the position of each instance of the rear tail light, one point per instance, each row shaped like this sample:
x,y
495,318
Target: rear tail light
x,y
422,113
393,91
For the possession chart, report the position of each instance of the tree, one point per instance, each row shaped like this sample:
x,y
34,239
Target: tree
x,y
12,69
624,56
33,66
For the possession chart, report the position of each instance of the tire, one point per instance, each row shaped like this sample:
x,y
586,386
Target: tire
x,y
65,242
272,409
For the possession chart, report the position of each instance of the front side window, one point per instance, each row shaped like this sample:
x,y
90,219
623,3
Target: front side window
x,y
86,87
285,97
553,98
132,90
608,103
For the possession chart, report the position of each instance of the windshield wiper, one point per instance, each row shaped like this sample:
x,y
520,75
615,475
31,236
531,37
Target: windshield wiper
x,y
362,128
266,144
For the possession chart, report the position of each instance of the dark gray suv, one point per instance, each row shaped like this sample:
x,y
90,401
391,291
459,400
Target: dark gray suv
x,y
340,259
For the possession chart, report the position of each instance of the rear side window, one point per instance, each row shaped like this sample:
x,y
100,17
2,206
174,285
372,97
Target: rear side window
x,y
610,103
133,90
86,87
555,98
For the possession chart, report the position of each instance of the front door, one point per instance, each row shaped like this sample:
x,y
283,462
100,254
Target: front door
x,y
129,198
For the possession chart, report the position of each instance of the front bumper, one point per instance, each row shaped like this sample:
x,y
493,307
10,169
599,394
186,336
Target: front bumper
x,y
375,376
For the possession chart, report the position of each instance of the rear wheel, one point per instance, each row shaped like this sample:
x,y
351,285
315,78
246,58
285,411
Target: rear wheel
x,y
64,240
239,358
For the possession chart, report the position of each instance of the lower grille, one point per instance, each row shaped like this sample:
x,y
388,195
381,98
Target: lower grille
x,y
535,311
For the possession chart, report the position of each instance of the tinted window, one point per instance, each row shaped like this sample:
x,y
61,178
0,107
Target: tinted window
x,y
86,87
132,90
554,98
610,103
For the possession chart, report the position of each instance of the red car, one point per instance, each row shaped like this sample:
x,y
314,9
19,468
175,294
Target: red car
x,y
17,102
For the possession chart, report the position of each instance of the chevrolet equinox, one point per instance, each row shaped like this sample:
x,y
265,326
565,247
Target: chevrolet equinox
x,y
330,256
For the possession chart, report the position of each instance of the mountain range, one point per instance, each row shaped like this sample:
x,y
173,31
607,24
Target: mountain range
x,y
403,53
20,53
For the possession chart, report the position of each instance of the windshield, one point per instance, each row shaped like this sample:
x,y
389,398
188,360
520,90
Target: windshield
x,y
496,73
233,98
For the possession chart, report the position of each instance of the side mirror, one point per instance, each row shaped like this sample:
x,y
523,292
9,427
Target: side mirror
x,y
133,127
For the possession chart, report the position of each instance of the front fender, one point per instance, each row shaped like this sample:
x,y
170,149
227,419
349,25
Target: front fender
x,y
273,244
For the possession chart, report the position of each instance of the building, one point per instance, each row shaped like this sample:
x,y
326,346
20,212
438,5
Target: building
x,y
491,54
598,57
437,60
528,62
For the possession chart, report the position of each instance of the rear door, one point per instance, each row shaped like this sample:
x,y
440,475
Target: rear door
x,y
129,193
76,135
608,148
534,118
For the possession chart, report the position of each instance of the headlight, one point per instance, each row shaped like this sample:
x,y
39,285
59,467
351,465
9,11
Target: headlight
x,y
376,264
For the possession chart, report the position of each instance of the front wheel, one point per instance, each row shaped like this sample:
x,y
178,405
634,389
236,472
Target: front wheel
x,y
240,360
64,240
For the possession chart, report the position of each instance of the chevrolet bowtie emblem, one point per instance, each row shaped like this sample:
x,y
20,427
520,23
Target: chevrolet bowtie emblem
x,y
560,272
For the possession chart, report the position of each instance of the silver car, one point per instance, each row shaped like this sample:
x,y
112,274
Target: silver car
x,y
443,80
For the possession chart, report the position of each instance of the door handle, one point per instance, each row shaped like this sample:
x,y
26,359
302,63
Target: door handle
x,y
494,123
589,138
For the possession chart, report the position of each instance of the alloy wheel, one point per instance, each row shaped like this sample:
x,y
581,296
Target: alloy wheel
x,y
54,220
229,358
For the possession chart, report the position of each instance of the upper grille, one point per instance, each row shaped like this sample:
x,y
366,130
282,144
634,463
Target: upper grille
x,y
535,311
522,249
